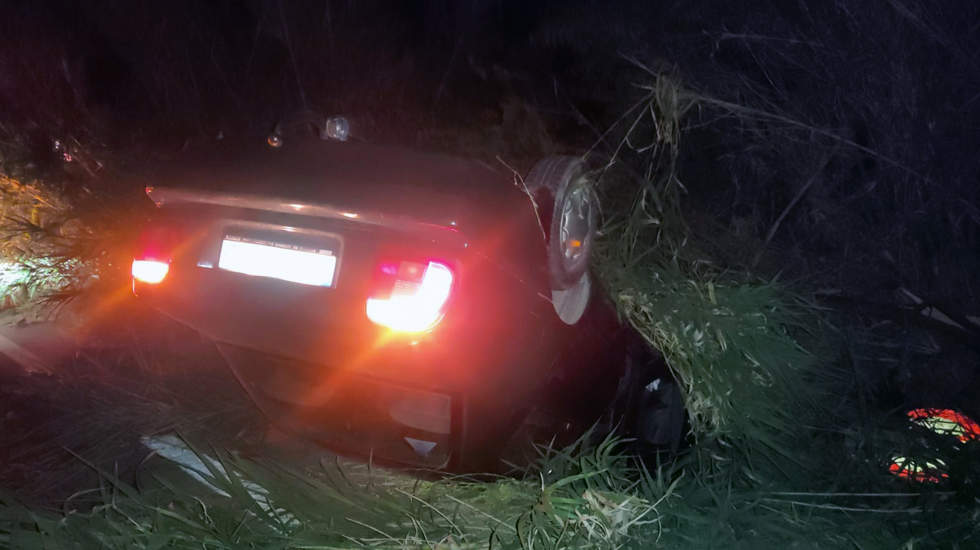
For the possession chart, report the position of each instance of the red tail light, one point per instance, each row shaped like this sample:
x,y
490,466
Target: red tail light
x,y
410,296
151,263
150,271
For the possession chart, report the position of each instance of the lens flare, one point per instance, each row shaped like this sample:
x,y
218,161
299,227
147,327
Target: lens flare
x,y
150,271
414,307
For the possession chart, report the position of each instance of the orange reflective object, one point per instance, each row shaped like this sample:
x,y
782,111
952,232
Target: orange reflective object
x,y
942,422
150,271
920,471
946,422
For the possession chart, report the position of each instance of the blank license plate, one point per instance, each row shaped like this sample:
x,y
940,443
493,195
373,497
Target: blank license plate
x,y
308,266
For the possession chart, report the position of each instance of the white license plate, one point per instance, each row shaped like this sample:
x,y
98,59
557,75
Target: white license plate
x,y
308,266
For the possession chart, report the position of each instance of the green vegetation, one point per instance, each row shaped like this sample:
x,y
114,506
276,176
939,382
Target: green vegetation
x,y
768,469
784,452
784,216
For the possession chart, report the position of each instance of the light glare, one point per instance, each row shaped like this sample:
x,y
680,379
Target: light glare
x,y
150,271
418,309
297,266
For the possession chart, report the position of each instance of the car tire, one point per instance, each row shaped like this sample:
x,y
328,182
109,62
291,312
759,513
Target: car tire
x,y
567,209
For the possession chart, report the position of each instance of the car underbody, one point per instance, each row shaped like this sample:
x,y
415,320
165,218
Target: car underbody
x,y
398,305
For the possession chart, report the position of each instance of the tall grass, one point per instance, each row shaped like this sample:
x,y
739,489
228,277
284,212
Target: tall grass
x,y
790,446
23,206
581,499
577,498
57,246
789,449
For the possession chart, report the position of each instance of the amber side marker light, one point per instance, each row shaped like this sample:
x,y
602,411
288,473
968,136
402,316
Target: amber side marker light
x,y
942,422
150,271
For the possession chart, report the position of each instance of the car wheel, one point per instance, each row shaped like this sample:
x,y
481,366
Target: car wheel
x,y
567,209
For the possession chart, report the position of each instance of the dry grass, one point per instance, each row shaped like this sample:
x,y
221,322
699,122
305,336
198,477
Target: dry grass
x,y
780,146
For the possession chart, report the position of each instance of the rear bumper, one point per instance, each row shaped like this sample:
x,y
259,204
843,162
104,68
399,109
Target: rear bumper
x,y
448,399
353,412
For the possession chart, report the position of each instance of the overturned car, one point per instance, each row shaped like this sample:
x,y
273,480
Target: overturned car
x,y
415,308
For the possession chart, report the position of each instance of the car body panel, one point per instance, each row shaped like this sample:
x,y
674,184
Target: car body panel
x,y
358,178
496,347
